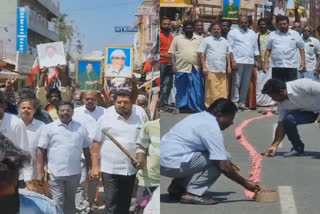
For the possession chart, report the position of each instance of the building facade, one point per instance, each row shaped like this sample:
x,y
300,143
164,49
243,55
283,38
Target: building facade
x,y
26,23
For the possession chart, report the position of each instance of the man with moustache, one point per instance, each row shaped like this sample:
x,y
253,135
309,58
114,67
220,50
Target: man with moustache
x,y
186,64
27,109
123,121
166,74
62,142
12,199
225,28
88,115
199,29
14,129
214,57
194,155
244,51
312,53
283,46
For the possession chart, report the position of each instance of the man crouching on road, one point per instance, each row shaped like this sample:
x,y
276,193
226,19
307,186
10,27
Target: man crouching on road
x,y
194,150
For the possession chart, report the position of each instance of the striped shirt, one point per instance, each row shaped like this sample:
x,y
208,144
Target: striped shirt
x,y
149,143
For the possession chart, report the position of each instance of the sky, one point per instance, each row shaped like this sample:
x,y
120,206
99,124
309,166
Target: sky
x,y
95,20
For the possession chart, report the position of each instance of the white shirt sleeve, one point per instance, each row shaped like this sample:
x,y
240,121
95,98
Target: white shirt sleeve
x,y
230,42
86,139
98,136
23,142
44,138
202,48
314,88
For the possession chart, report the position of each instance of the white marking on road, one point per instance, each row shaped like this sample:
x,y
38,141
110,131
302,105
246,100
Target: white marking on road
x,y
274,127
288,205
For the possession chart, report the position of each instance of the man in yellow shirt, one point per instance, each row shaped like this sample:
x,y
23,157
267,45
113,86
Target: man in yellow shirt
x,y
186,65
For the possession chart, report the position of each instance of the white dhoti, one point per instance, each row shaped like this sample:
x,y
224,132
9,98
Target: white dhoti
x,y
263,99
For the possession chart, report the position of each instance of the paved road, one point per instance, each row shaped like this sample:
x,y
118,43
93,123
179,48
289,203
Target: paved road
x,y
300,175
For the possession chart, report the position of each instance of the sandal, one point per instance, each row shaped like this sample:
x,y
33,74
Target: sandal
x,y
199,201
175,191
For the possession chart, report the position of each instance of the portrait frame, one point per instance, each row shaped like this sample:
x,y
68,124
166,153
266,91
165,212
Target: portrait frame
x,y
60,58
226,2
81,66
128,63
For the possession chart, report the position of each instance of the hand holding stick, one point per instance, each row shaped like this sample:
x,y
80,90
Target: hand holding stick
x,y
124,150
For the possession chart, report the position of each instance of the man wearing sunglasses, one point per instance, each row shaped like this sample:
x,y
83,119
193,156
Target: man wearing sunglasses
x,y
117,66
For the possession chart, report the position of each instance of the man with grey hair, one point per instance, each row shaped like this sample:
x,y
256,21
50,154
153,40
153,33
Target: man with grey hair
x,y
117,66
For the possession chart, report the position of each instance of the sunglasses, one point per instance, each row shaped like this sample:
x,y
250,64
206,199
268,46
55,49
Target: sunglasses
x,y
116,57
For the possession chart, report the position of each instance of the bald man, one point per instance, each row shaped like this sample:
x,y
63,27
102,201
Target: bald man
x,y
88,115
142,101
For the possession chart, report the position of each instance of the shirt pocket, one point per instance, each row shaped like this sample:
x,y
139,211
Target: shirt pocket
x,y
292,43
310,49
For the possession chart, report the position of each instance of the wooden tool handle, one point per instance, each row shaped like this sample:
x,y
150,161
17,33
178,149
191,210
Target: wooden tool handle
x,y
124,150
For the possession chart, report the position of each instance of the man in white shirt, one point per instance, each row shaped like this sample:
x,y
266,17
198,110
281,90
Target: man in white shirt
x,y
63,142
194,155
88,115
123,121
213,53
298,103
27,108
14,129
283,45
243,49
312,53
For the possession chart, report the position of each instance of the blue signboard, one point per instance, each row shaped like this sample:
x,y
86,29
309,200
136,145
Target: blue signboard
x,y
22,29
119,29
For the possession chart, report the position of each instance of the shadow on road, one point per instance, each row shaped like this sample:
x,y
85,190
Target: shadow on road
x,y
165,198
311,154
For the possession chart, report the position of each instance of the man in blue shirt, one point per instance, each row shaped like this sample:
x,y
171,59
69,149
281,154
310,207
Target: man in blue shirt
x,y
194,150
12,199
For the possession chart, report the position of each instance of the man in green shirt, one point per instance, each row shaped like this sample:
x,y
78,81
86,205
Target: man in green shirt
x,y
148,158
231,10
88,78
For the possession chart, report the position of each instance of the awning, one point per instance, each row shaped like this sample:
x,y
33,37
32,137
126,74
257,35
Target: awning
x,y
176,3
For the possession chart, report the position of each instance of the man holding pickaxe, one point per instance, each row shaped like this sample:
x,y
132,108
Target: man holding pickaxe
x,y
122,122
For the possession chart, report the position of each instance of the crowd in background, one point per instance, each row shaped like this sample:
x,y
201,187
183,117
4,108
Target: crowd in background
x,y
63,131
201,65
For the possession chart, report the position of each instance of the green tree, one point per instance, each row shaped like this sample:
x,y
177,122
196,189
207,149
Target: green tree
x,y
65,27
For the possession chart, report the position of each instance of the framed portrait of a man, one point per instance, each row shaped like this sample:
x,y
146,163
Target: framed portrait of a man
x,y
118,61
51,54
88,74
231,9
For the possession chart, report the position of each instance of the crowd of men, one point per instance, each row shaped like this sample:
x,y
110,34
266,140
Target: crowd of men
x,y
67,154
212,77
220,61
